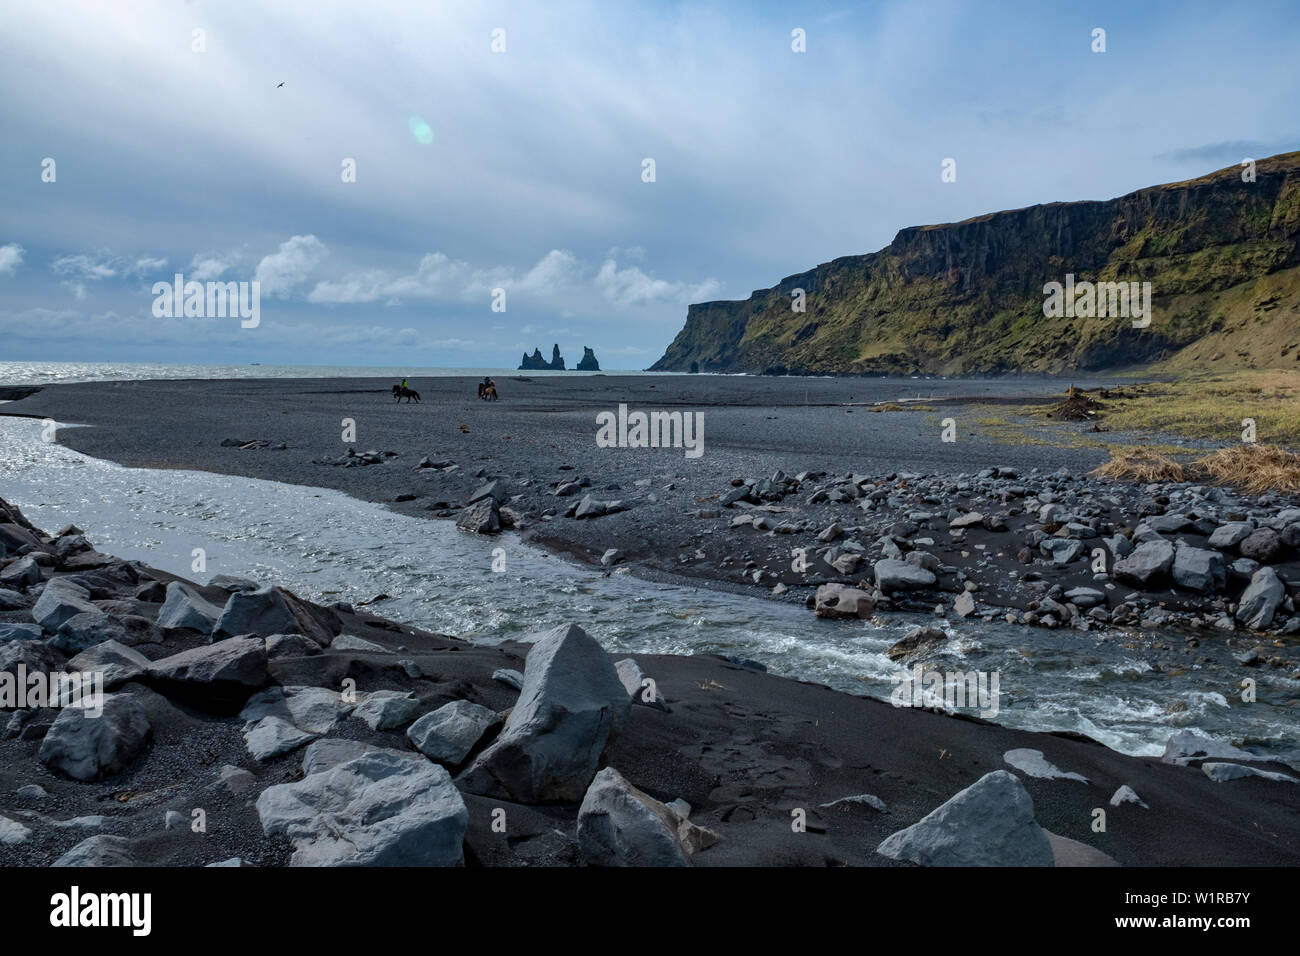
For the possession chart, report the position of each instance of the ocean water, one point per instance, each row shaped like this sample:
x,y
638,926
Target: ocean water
x,y
326,546
51,373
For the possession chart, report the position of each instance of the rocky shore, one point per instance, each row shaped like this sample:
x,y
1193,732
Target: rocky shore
x,y
241,725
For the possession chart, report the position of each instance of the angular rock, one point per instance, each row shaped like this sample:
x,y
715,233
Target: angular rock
x,y
1230,535
87,747
350,642
379,809
570,709
116,662
448,734
99,851
61,601
841,601
386,709
894,575
183,608
85,630
263,611
1126,794
226,671
22,574
1261,599
619,825
482,517
1262,545
272,736
1199,569
990,823
917,642
1145,565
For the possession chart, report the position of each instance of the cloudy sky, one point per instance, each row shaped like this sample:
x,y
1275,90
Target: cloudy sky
x,y
523,170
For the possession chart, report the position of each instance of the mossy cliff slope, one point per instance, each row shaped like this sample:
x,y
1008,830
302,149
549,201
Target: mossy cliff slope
x,y
1222,257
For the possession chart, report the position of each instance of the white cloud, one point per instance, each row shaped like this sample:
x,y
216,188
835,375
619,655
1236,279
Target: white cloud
x,y
631,286
85,266
280,272
212,265
147,264
11,257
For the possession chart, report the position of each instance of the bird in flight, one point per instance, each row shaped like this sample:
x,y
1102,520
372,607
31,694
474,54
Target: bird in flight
x,y
281,83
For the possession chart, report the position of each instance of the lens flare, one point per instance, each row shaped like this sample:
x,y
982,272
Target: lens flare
x,y
420,130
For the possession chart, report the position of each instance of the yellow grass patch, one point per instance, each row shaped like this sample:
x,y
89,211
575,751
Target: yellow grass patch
x,y
1141,464
1255,468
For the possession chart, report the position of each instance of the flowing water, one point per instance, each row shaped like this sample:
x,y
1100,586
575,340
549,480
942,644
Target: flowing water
x,y
326,546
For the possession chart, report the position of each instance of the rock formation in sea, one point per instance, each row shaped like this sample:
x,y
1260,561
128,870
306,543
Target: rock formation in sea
x,y
536,363
588,362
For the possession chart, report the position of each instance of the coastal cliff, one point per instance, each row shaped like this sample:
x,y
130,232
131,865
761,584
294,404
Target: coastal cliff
x,y
1222,256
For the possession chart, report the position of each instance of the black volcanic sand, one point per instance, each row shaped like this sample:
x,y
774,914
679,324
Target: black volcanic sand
x,y
744,748
543,431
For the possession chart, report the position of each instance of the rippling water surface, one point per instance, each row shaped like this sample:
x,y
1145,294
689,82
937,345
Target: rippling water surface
x,y
327,546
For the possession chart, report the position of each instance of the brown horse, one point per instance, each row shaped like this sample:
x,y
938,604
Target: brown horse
x,y
400,393
487,392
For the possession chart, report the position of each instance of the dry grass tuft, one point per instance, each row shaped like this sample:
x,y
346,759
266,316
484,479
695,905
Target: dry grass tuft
x,y
1141,464
1256,468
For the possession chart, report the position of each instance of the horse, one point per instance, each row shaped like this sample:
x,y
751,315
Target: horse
x,y
487,393
400,393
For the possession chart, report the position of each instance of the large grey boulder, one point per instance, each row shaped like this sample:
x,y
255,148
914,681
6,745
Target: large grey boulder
x,y
61,601
20,632
990,823
117,662
1199,569
263,611
1062,550
894,575
13,600
98,851
841,601
382,808
85,630
1230,535
225,671
571,707
448,734
482,517
386,709
1146,564
317,710
88,747
1261,599
185,608
273,736
1262,545
22,574
619,825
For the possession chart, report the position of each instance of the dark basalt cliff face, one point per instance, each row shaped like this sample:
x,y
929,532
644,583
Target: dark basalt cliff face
x,y
1222,256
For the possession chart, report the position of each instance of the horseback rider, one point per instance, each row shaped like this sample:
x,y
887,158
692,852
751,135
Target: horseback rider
x,y
403,384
